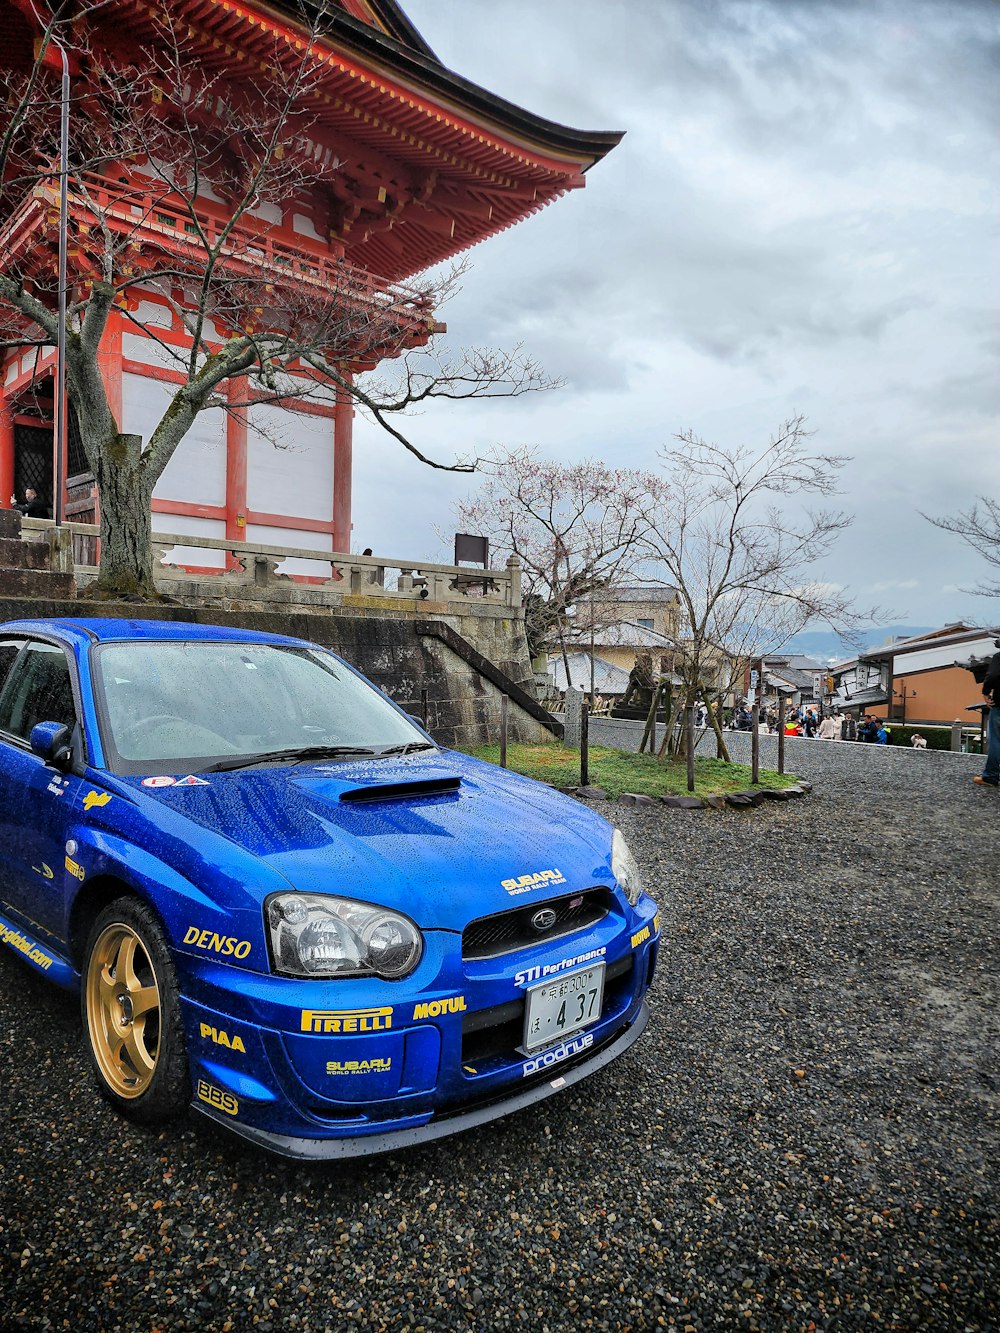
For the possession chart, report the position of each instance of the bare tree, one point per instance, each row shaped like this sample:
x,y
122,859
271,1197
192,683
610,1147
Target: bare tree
x,y
175,168
575,528
979,528
738,546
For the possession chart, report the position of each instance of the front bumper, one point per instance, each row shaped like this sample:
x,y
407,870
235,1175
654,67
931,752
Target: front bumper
x,y
390,1140
327,1070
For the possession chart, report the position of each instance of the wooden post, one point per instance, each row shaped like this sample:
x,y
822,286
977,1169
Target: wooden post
x,y
755,728
584,744
690,746
781,733
503,730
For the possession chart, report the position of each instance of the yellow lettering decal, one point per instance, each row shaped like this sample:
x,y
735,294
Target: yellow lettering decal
x,y
346,1020
221,1038
656,924
23,944
222,1101
212,942
539,879
374,1066
454,1004
74,869
640,937
93,798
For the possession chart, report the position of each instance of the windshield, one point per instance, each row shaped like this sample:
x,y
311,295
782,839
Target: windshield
x,y
168,707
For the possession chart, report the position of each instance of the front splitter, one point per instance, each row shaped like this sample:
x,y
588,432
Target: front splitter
x,y
368,1145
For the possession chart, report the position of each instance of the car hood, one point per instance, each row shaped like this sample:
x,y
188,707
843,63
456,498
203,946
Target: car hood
x,y
435,836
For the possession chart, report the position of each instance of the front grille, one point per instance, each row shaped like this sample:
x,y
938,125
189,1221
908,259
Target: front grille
x,y
504,932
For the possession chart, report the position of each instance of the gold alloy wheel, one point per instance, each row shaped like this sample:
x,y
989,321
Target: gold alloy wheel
x,y
123,1010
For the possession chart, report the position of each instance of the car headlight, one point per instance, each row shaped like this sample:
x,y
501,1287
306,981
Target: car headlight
x,y
625,868
314,935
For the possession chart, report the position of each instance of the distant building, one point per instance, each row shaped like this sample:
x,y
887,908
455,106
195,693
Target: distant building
x,y
920,680
651,606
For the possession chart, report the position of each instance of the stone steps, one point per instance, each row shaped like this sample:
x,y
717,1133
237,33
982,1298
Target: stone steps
x,y
24,566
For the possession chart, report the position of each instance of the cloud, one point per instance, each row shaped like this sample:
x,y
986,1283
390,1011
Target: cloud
x,y
799,218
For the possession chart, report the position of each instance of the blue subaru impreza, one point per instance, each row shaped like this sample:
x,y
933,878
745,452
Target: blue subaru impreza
x,y
283,904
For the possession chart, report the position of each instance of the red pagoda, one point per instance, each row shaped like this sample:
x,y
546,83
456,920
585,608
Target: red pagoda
x,y
418,165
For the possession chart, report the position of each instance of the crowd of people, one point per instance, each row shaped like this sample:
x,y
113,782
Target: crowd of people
x,y
834,726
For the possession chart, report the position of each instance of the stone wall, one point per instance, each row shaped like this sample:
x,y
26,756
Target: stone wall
x,y
464,673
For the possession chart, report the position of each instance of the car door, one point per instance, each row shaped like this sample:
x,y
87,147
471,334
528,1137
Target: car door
x,y
35,799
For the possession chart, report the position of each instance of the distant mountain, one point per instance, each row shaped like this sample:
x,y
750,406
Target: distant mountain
x,y
823,646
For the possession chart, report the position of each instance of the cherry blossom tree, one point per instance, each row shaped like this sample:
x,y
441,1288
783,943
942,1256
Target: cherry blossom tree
x,y
576,529
739,543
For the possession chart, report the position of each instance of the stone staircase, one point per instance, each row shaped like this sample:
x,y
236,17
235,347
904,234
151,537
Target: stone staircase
x,y
25,566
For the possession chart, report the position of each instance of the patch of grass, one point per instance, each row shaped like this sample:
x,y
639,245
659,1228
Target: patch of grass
x,y
617,772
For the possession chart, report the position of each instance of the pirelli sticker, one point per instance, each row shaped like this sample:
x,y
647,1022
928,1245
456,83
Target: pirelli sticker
x,y
332,1021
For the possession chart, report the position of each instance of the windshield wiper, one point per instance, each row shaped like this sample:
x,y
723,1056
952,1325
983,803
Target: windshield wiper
x,y
287,756
408,748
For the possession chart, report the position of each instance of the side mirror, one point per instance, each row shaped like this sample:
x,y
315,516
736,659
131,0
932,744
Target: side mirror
x,y
50,741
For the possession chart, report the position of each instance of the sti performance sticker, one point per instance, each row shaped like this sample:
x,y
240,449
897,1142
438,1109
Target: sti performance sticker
x,y
93,798
543,970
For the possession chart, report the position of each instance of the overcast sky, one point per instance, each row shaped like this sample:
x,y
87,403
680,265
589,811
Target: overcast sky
x,y
801,218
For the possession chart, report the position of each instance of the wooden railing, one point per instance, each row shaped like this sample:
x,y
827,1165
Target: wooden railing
x,y
253,568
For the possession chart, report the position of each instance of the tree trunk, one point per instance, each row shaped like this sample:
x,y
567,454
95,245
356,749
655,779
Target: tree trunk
x,y
126,568
721,748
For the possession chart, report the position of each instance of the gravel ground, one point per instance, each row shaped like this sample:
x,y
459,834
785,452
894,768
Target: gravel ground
x,y
805,1139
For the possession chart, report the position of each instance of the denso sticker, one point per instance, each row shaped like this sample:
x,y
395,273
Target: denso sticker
x,y
529,975
540,879
557,1054
452,1004
209,940
346,1020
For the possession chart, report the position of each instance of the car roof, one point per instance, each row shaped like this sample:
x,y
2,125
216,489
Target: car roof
x,y
100,629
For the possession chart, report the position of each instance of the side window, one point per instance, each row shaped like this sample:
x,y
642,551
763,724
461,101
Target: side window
x,y
37,689
9,649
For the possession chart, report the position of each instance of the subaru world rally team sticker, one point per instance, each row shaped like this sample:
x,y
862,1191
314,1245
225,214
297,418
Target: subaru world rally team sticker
x,y
541,879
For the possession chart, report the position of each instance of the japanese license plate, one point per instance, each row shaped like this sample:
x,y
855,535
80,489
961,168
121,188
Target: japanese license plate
x,y
557,1008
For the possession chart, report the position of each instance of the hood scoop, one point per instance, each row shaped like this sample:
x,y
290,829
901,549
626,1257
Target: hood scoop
x,y
402,791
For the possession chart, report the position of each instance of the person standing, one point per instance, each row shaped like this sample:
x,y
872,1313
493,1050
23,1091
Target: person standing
x,y
991,693
829,728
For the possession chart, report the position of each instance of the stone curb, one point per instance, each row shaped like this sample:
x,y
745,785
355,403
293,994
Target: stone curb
x,y
735,800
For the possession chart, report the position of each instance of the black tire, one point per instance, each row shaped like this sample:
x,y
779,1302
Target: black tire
x,y
131,1011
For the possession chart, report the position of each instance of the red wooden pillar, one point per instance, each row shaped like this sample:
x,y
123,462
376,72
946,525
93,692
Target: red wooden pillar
x,y
343,444
238,391
6,451
109,362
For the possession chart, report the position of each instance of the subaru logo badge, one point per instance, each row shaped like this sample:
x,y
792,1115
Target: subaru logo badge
x,y
543,919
